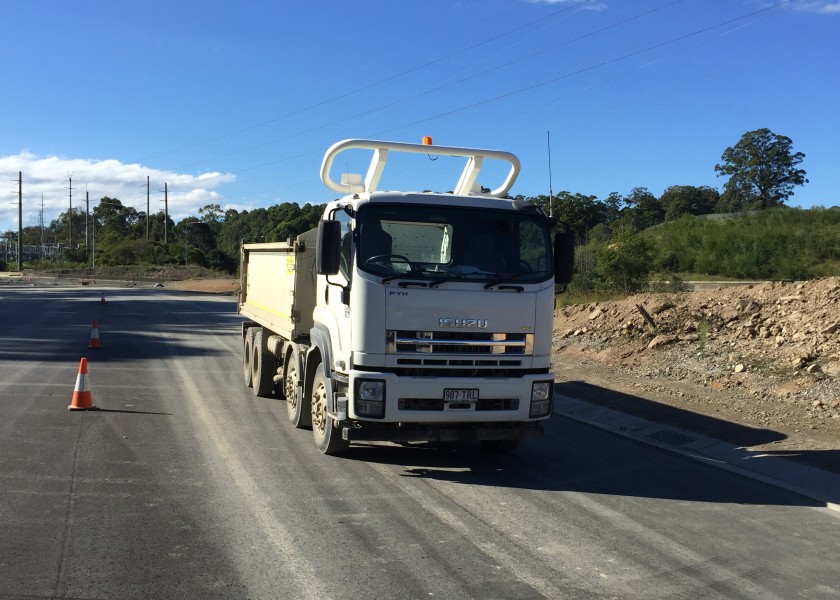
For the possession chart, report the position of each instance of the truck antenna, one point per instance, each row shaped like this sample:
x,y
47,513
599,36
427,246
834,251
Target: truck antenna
x,y
550,192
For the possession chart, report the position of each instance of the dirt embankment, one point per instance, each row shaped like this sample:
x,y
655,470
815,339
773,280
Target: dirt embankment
x,y
764,356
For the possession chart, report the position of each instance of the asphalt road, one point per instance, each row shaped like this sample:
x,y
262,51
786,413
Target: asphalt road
x,y
185,485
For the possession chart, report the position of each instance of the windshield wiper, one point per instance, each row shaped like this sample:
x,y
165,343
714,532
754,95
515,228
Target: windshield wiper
x,y
458,277
407,275
499,281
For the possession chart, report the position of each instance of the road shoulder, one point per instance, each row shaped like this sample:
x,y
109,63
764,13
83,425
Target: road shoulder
x,y
780,470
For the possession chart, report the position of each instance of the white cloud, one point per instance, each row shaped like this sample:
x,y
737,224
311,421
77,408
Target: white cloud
x,y
584,4
823,7
49,176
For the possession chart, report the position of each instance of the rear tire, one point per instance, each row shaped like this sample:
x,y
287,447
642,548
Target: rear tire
x,y
263,365
327,437
247,350
296,408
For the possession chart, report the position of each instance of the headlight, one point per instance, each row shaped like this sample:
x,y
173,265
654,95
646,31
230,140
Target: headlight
x,y
541,392
369,399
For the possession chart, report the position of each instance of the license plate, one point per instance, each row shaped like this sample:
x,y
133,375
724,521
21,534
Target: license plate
x,y
460,395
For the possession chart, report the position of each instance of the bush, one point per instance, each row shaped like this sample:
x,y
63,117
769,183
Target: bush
x,y
624,264
778,243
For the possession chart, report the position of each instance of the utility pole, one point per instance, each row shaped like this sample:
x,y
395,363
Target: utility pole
x,y
148,208
20,221
165,214
70,215
87,217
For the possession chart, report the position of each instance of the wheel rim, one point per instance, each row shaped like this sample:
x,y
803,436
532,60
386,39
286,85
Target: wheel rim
x,y
255,357
246,362
319,409
290,388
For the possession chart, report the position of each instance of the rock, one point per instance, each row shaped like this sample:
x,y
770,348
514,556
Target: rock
x,y
661,340
739,368
729,315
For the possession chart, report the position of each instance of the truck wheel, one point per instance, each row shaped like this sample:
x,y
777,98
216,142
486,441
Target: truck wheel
x,y
298,414
499,446
262,365
247,349
327,438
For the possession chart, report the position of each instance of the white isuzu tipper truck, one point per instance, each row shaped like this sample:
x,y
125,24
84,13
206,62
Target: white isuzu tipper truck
x,y
408,316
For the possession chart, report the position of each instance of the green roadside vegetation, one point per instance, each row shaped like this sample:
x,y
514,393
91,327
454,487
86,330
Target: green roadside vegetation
x,y
623,243
774,244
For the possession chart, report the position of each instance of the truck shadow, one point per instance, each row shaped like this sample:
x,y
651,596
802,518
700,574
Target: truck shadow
x,y
663,414
736,434
574,456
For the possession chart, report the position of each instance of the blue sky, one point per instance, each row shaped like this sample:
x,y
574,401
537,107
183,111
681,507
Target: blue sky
x,y
235,102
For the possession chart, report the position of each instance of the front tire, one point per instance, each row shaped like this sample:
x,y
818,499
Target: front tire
x,y
327,437
296,408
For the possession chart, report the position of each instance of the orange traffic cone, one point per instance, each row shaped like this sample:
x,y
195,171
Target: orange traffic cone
x,y
82,400
94,337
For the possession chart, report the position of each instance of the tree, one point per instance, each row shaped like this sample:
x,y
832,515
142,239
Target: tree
x,y
577,212
681,200
613,207
643,209
210,213
762,172
624,263
61,227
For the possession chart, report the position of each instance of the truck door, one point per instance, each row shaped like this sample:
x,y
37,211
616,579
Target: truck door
x,y
334,302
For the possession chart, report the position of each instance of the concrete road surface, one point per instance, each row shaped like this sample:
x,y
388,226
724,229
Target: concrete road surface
x,y
185,485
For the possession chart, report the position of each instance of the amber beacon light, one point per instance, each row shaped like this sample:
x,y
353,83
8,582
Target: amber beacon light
x,y
427,140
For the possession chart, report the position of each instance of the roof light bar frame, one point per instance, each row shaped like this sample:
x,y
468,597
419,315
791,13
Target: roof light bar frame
x,y
475,160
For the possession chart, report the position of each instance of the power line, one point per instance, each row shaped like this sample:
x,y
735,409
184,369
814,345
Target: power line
x,y
498,97
492,99
369,86
434,89
582,70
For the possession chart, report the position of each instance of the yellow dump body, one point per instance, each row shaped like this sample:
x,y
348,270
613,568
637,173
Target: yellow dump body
x,y
278,285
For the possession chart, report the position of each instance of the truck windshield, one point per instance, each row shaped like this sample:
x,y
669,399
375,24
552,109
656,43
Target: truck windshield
x,y
453,243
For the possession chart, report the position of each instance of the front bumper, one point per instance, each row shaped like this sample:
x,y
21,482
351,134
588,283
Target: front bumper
x,y
422,400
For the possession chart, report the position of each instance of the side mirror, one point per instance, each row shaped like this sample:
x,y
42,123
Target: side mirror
x,y
328,247
564,257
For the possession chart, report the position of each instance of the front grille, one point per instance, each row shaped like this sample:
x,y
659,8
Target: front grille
x,y
432,404
437,362
459,342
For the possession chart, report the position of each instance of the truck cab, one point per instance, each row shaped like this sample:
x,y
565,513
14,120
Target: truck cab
x,y
432,312
438,309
